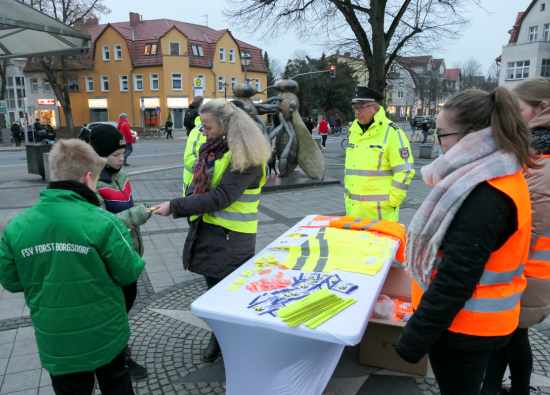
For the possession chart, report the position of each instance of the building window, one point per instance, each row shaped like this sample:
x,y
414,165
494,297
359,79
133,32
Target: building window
x,y
243,53
118,52
47,86
222,54
89,84
73,84
176,82
547,32
533,32
197,50
174,48
233,82
154,82
150,49
123,83
104,83
258,85
221,81
400,94
231,56
518,70
106,53
34,83
542,6
545,68
138,82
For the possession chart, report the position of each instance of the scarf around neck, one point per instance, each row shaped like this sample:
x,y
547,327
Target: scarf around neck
x,y
473,160
204,170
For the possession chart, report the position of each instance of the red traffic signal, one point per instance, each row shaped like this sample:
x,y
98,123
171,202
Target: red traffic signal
x,y
332,71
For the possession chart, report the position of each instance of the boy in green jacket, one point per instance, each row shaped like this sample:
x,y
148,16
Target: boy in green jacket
x,y
115,195
71,258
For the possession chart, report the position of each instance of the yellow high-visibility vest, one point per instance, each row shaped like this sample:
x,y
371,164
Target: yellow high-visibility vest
x,y
379,169
191,156
241,216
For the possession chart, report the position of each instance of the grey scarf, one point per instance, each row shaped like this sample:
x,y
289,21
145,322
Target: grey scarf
x,y
475,159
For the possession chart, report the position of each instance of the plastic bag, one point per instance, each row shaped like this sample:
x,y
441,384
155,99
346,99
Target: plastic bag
x,y
384,308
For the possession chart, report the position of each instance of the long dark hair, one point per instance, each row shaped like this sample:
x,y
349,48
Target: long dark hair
x,y
476,110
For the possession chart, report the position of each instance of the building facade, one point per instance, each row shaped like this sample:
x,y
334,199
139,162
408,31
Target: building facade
x,y
527,54
15,93
139,66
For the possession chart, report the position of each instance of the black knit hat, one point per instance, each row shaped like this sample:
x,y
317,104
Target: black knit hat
x,y
106,139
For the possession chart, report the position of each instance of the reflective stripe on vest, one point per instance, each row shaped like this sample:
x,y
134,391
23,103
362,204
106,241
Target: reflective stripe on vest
x,y
493,309
538,261
241,216
191,156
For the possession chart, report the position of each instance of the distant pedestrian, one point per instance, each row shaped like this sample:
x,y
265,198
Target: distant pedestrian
x,y
331,122
16,133
323,131
85,133
338,121
309,125
124,128
413,126
168,127
425,128
192,114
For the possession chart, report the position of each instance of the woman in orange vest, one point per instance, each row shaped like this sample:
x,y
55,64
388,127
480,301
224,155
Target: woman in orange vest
x,y
468,242
534,100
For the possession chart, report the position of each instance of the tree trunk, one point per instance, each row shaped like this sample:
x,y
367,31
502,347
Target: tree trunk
x,y
66,95
69,121
377,69
3,79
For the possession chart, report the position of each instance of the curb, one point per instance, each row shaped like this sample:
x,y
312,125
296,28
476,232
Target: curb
x,y
12,149
135,173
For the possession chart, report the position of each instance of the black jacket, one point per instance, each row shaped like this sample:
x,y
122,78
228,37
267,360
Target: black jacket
x,y
168,124
190,115
85,134
16,129
484,222
213,250
309,126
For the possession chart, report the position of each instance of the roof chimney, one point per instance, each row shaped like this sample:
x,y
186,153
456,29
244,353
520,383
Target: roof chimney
x,y
347,54
92,21
134,19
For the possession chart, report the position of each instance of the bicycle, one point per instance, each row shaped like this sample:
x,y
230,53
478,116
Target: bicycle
x,y
345,141
335,131
418,136
160,132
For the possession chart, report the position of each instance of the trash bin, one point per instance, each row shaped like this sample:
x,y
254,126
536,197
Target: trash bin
x,y
35,158
6,137
427,151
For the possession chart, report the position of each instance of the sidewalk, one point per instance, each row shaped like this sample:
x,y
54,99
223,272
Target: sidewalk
x,y
166,337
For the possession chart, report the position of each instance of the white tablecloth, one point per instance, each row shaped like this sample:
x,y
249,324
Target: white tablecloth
x,y
264,355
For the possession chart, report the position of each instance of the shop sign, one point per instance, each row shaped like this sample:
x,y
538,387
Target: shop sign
x,y
151,102
99,102
46,102
177,102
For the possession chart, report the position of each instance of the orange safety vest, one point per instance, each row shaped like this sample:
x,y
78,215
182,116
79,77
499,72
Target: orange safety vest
x,y
494,307
538,262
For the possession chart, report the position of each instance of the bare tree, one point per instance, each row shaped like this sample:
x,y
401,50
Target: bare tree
x,y
375,30
74,13
472,74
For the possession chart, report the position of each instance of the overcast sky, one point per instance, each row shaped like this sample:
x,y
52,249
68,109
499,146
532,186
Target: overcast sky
x,y
483,39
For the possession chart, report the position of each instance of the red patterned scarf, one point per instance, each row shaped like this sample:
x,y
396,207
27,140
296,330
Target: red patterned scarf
x,y
204,170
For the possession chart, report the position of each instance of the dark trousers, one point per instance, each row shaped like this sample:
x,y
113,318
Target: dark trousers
x,y
130,294
129,150
324,142
458,372
518,354
169,134
211,281
425,134
188,131
17,138
113,379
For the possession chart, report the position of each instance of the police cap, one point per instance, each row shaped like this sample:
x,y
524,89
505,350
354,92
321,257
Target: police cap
x,y
362,94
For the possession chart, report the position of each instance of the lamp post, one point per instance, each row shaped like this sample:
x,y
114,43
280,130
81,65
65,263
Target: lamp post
x,y
245,62
225,86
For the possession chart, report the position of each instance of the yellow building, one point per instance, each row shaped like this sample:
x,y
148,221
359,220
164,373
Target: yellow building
x,y
136,66
358,65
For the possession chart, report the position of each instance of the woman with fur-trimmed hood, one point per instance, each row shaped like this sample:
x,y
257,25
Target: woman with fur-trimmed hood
x,y
223,198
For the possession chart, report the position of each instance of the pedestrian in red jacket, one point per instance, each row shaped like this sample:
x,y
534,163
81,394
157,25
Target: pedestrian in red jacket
x,y
323,131
124,128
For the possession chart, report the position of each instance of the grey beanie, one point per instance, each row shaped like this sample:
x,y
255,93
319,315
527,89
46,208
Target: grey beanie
x,y
124,116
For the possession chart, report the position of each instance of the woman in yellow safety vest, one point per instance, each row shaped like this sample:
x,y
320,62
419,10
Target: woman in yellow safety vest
x,y
223,197
468,243
534,101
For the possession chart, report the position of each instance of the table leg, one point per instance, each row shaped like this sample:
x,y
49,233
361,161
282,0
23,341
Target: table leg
x,y
267,362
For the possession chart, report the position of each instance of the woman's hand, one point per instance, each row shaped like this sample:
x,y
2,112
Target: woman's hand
x,y
163,209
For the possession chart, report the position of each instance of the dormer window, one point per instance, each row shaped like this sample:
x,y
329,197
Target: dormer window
x,y
197,50
150,49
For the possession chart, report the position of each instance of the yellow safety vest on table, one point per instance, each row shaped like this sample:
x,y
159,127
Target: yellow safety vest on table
x,y
241,216
191,156
379,169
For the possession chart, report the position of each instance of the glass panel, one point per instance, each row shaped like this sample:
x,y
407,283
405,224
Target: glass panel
x,y
525,72
519,72
174,48
199,48
147,50
154,49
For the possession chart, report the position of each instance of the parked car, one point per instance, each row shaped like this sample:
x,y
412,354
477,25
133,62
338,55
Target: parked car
x,y
94,124
47,132
420,118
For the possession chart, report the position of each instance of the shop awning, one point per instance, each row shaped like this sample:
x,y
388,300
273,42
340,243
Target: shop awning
x,y
26,32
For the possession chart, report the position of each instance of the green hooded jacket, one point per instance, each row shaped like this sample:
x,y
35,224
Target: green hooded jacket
x,y
70,258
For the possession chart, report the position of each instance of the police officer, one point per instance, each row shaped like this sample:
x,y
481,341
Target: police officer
x,y
379,165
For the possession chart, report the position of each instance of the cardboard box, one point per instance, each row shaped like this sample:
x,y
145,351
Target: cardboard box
x,y
377,348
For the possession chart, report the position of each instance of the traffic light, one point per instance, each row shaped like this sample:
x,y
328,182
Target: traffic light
x,y
332,71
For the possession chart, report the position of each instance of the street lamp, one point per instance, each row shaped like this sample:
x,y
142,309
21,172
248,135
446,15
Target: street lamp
x,y
225,86
245,62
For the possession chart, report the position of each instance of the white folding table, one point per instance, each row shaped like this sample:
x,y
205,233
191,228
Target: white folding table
x,y
264,355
